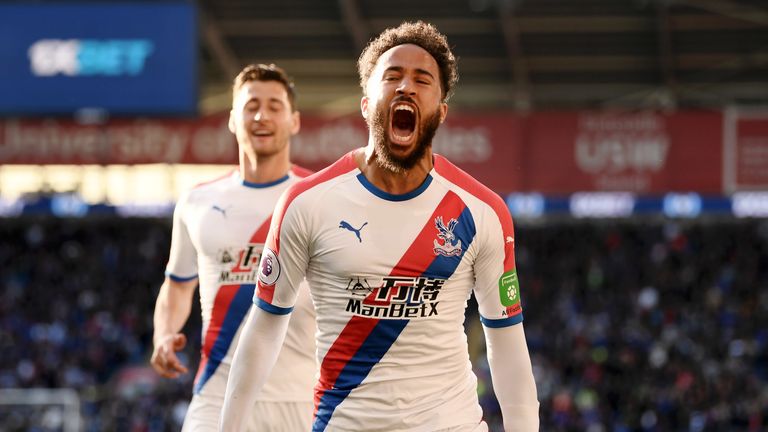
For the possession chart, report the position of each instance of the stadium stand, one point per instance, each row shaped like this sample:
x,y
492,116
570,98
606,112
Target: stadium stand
x,y
633,325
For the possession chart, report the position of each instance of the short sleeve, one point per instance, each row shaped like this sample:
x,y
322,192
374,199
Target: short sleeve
x,y
182,261
284,259
496,286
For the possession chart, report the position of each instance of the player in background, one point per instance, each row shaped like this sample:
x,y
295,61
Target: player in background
x,y
392,239
219,230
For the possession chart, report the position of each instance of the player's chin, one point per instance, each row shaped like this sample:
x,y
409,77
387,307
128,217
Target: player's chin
x,y
401,152
261,143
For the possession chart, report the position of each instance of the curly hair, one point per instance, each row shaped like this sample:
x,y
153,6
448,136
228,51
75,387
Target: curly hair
x,y
418,33
263,72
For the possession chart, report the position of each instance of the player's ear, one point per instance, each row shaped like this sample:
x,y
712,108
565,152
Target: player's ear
x,y
443,111
296,122
364,106
231,122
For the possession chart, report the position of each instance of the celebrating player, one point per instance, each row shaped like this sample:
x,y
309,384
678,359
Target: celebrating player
x,y
392,239
219,229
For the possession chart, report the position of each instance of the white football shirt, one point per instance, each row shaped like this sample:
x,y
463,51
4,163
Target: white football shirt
x,y
219,229
390,276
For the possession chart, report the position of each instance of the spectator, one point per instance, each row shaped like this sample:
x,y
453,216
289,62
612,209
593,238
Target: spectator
x,y
631,326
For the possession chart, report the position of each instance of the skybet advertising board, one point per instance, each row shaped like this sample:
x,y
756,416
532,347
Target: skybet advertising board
x,y
133,58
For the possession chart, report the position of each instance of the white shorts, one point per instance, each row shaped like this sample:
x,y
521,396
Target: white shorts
x,y
205,409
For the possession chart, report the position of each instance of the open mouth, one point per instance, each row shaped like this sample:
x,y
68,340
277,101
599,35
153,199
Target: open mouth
x,y
403,120
262,133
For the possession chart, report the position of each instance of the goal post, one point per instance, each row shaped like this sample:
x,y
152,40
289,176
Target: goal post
x,y
55,409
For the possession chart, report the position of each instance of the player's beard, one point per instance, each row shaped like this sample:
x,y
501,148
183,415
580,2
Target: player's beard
x,y
379,121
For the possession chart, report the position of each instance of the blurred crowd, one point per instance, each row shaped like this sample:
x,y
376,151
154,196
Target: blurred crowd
x,y
652,325
76,302
648,326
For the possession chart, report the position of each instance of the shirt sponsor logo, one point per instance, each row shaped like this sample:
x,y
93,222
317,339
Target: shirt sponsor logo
x,y
397,297
359,286
448,244
225,257
245,267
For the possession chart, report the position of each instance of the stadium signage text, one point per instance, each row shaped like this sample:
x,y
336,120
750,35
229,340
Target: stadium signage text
x,y
136,58
549,153
86,57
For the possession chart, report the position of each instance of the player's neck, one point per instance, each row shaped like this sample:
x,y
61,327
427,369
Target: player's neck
x,y
396,183
264,169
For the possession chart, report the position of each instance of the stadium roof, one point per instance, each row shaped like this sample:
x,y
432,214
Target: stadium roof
x,y
513,54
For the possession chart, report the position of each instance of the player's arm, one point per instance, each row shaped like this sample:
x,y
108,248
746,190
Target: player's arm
x,y
174,301
255,356
498,294
512,377
172,309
